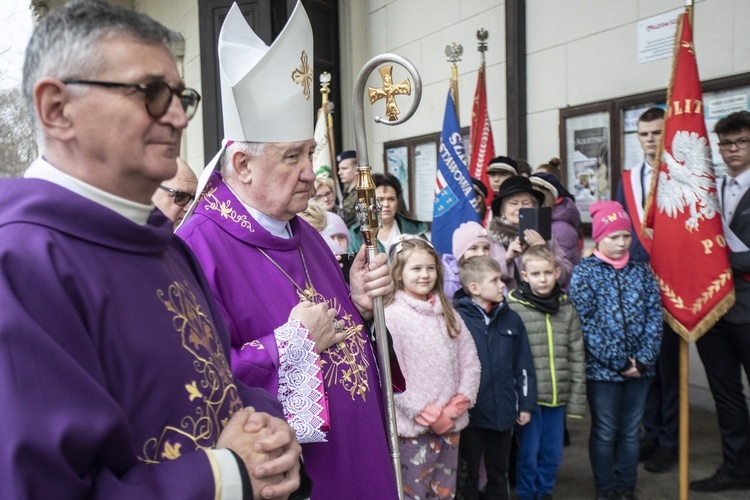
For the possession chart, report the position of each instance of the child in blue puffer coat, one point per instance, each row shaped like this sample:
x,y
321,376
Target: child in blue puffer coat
x,y
619,305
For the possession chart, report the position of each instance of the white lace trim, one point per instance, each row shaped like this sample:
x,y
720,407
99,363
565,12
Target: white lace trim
x,y
301,391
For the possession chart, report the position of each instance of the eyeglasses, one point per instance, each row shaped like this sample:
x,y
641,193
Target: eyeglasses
x,y
181,198
321,197
741,143
158,95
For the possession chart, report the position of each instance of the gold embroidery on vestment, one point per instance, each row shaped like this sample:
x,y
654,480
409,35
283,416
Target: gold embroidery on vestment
x,y
225,208
214,392
347,361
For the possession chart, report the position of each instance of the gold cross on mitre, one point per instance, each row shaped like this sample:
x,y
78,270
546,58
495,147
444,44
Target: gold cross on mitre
x,y
389,91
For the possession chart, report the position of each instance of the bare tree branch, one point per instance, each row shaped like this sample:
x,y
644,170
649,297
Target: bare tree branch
x,y
17,142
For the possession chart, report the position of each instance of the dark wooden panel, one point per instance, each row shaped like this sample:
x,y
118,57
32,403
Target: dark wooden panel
x,y
515,56
324,18
211,15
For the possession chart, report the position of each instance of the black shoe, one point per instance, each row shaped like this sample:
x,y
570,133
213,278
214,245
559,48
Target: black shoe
x,y
647,449
607,495
720,482
662,460
625,494
545,497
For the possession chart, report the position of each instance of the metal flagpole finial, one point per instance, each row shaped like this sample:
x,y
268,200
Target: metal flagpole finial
x,y
370,214
325,83
454,52
482,36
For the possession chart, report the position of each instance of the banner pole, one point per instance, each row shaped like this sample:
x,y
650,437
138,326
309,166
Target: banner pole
x,y
684,446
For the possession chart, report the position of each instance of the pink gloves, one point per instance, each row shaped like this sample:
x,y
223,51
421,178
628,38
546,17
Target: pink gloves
x,y
441,420
428,415
457,405
443,424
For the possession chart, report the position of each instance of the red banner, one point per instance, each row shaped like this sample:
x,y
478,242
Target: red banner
x,y
482,144
689,254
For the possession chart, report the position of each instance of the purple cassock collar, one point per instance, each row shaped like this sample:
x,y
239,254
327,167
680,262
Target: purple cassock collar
x,y
235,220
46,204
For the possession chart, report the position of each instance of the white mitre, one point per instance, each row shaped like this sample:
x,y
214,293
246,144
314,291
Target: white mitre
x,y
266,92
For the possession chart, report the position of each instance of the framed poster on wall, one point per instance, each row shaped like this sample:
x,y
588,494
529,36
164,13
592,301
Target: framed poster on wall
x,y
414,163
425,164
587,146
397,163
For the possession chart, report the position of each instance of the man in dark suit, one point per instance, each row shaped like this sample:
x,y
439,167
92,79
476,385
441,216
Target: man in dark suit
x,y
726,347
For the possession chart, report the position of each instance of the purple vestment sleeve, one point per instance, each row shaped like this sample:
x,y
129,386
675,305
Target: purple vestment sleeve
x,y
256,396
253,359
259,399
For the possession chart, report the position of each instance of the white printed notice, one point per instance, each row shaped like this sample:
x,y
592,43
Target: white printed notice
x,y
721,107
425,168
656,36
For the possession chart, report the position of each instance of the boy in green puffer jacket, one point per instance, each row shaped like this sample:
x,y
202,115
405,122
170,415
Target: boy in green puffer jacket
x,y
556,341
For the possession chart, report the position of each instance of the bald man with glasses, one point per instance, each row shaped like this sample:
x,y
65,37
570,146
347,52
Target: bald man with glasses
x,y
115,379
174,195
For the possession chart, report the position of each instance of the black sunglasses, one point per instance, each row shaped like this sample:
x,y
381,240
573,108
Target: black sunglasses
x,y
181,198
158,95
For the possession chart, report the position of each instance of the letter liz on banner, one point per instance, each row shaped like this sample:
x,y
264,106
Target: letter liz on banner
x,y
682,210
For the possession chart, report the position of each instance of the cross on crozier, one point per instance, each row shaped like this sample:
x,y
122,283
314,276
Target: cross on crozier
x,y
389,92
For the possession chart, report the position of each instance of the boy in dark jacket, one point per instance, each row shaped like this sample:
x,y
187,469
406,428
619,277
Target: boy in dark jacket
x,y
556,341
507,388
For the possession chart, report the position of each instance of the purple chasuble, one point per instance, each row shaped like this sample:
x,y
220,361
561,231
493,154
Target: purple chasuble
x,y
255,298
113,372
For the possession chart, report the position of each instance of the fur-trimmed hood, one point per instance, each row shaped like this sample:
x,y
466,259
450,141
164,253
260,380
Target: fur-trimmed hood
x,y
502,232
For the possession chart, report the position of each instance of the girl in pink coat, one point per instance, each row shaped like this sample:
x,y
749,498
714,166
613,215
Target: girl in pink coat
x,y
439,362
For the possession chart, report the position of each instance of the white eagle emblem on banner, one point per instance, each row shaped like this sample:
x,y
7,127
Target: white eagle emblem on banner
x,y
688,180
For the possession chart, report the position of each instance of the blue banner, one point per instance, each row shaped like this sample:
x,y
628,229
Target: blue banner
x,y
455,201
